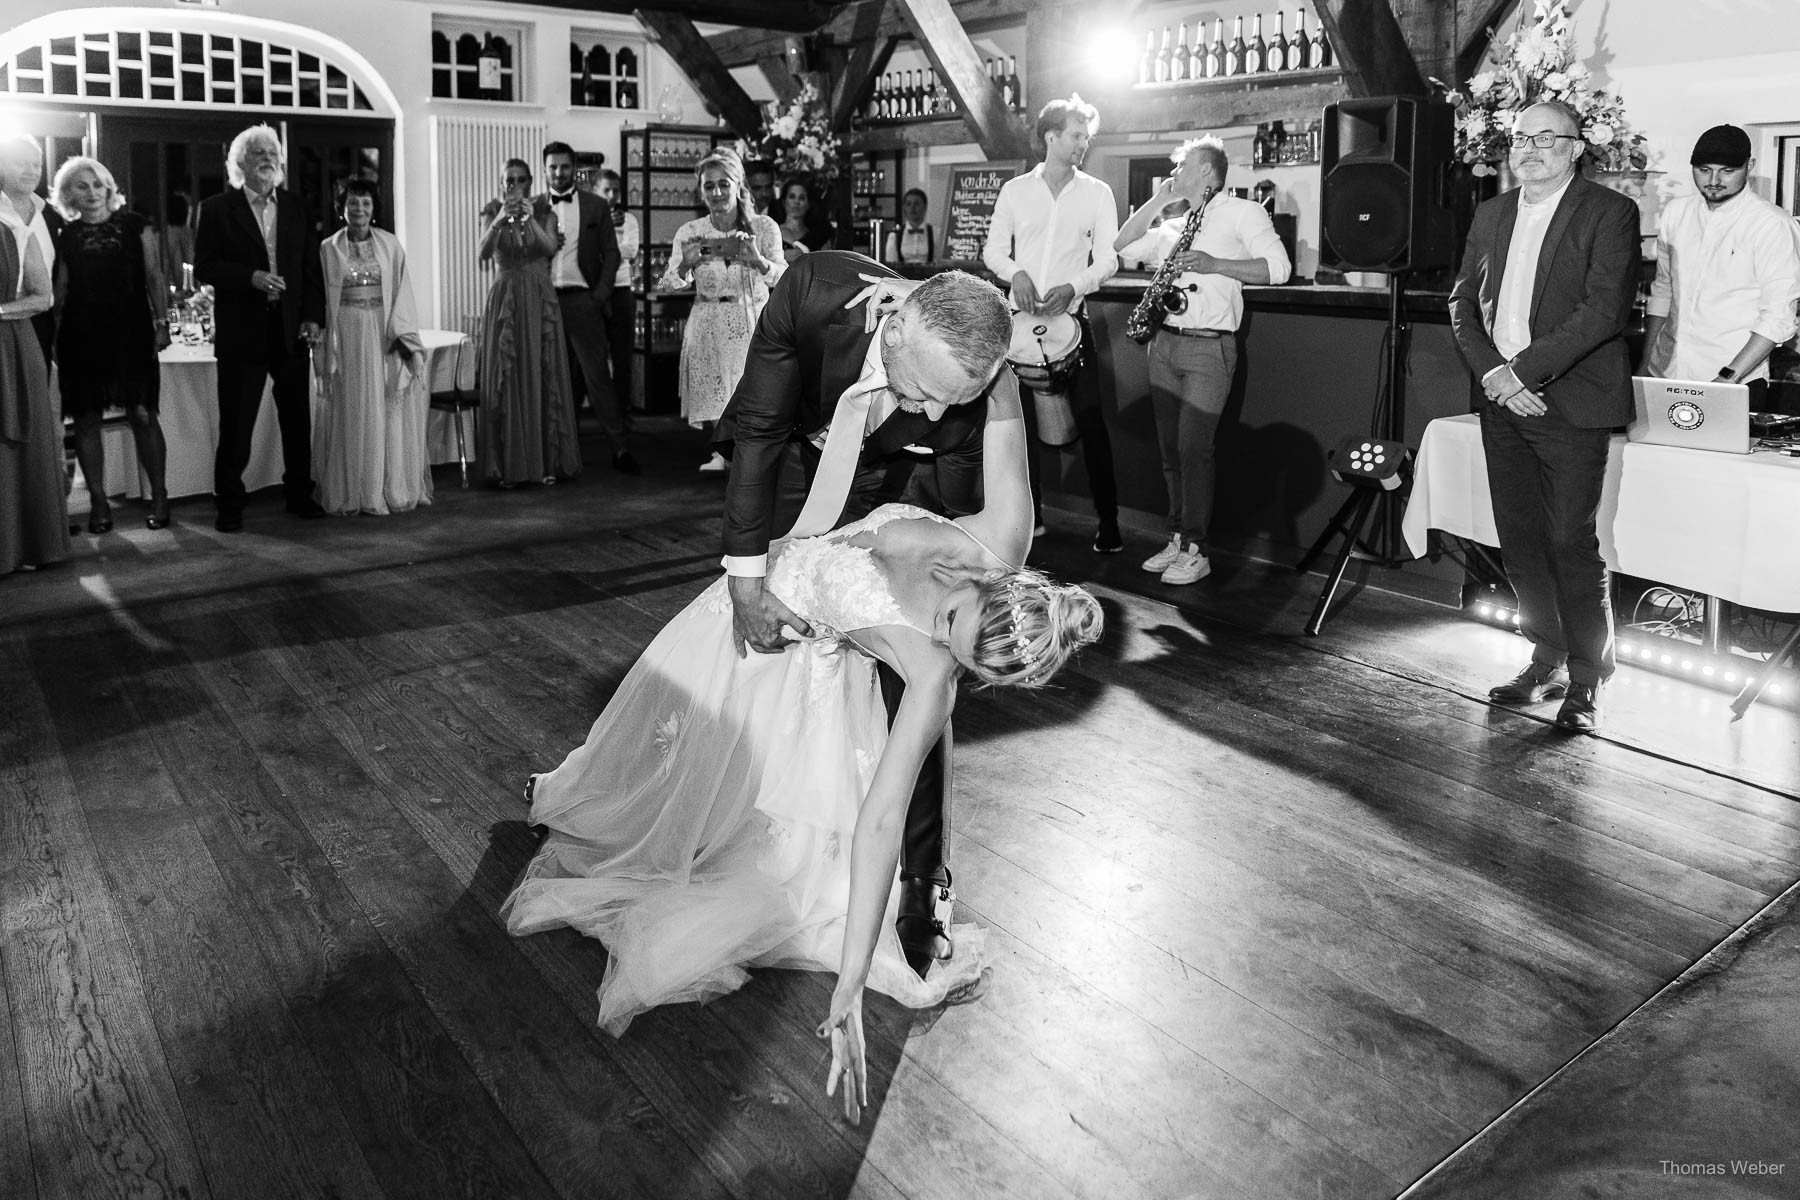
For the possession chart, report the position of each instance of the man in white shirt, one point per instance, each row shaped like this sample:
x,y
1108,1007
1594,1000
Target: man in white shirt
x,y
1727,273
1193,355
621,325
1539,311
1051,240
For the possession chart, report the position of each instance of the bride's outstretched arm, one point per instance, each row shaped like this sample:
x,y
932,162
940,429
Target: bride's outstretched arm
x,y
1005,520
875,854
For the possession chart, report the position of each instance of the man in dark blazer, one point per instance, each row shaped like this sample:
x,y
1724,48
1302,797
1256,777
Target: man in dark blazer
x,y
1539,311
925,371
585,266
256,248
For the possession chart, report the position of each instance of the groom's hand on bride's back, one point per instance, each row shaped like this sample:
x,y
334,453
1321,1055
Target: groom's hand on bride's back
x,y
758,617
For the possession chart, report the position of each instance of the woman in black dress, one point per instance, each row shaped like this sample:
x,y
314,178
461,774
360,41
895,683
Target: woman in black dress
x,y
804,225
109,290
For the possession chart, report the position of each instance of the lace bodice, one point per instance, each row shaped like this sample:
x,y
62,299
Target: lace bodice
x,y
840,586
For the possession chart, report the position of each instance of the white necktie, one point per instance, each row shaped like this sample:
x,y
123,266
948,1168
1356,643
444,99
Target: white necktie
x,y
837,462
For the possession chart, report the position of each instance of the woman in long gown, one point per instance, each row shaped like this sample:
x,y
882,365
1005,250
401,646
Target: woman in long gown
x,y
369,442
732,256
34,522
528,429
113,322
730,812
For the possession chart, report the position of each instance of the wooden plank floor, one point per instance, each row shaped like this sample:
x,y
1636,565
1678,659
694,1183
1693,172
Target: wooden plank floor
x,y
1268,919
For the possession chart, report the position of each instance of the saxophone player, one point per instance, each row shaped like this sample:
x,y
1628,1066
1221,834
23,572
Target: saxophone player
x,y
1194,353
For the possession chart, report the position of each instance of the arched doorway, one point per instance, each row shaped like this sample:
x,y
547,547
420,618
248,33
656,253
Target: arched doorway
x,y
157,95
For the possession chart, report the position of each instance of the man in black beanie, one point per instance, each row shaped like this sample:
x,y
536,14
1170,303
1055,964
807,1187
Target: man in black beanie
x,y
1727,273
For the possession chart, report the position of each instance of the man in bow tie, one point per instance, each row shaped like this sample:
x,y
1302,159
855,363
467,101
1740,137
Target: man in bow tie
x,y
584,270
867,413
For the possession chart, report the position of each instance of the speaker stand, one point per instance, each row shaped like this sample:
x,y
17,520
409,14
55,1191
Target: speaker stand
x,y
1753,687
1387,548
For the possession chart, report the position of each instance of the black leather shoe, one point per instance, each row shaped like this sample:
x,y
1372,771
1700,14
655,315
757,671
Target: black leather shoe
x,y
229,522
1580,713
307,510
1106,538
1535,684
923,937
626,463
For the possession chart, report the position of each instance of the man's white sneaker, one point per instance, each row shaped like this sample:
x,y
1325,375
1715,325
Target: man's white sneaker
x,y
716,465
1190,566
1165,558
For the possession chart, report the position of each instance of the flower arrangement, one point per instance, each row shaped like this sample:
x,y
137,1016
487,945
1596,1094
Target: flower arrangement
x,y
799,141
1538,63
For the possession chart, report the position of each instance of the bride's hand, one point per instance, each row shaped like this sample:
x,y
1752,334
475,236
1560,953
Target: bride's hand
x,y
848,1063
884,296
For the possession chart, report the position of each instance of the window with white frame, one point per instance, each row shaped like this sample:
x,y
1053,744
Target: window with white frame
x,y
479,60
164,67
604,70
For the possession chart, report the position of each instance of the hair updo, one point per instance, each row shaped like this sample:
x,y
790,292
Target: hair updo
x,y
1029,626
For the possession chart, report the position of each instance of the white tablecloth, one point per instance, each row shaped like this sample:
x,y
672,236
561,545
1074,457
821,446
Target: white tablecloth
x,y
448,369
1725,525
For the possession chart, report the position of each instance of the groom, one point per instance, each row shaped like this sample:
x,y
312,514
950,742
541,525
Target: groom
x,y
864,418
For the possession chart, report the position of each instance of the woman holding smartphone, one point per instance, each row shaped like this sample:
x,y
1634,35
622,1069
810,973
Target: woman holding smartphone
x,y
528,419
732,257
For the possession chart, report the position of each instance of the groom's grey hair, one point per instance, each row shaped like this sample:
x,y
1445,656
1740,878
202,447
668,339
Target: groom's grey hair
x,y
968,316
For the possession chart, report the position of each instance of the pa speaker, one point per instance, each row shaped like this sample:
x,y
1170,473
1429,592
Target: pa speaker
x,y
1382,197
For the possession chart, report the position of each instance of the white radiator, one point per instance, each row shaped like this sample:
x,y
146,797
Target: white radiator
x,y
467,159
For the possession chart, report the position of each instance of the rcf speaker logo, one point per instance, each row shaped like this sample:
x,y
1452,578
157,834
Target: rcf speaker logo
x,y
1685,414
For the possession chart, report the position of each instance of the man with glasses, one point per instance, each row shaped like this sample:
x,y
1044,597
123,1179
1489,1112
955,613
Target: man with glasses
x,y
1540,310
1727,273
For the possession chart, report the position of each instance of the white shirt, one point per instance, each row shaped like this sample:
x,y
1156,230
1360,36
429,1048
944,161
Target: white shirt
x,y
1721,275
1512,307
912,244
630,238
24,231
1232,228
565,268
263,209
1065,238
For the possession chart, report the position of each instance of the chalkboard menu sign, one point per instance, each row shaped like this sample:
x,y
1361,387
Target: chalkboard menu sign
x,y
969,199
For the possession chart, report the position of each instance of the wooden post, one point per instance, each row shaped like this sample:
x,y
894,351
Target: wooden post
x,y
1373,51
700,63
996,129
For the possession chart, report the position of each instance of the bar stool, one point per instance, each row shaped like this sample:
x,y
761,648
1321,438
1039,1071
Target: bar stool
x,y
456,401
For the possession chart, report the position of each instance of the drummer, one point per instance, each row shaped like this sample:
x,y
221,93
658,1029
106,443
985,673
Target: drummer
x,y
1195,353
1051,237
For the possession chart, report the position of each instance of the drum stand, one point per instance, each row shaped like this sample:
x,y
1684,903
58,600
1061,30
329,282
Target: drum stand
x,y
1388,423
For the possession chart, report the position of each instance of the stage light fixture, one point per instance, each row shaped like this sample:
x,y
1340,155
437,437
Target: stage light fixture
x,y
1371,462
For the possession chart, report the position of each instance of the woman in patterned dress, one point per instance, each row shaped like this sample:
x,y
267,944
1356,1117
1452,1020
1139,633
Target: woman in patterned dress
x,y
732,257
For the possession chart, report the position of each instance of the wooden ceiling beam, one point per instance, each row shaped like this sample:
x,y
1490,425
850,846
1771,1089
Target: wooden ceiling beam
x,y
742,47
710,77
792,16
1371,47
780,78
867,58
995,128
1476,20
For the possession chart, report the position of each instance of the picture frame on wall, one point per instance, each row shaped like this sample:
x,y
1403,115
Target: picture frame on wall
x,y
1787,172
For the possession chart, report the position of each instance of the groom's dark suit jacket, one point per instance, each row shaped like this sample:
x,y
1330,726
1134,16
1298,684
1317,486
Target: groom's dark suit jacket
x,y
808,349
1586,281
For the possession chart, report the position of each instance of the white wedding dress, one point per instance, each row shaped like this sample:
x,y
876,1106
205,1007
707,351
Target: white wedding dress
x,y
705,825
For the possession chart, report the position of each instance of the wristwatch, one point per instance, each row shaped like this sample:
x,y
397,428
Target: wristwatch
x,y
1726,373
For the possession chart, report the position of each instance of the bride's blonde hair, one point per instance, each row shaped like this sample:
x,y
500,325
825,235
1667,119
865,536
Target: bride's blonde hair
x,y
1030,626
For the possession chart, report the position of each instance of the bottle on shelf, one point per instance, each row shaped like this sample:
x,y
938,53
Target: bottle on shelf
x,y
1301,57
1277,58
1215,51
1256,58
1235,52
1146,64
1163,57
1015,89
1321,47
1197,56
915,91
1279,150
1178,60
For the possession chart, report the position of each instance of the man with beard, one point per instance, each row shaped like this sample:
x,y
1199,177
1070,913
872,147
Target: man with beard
x,y
1539,311
1727,274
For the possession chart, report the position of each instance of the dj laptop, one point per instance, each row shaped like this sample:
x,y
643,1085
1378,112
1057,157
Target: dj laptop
x,y
1687,412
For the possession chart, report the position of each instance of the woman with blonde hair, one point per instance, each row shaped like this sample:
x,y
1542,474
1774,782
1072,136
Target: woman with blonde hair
x,y
109,291
732,257
369,438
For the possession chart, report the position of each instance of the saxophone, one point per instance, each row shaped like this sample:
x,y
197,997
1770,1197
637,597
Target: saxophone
x,y
1161,296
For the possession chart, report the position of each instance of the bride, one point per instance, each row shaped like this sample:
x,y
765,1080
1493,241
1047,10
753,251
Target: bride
x,y
729,812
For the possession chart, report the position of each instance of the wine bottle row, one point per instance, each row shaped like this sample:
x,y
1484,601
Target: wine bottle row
x,y
1177,59
1278,146
915,95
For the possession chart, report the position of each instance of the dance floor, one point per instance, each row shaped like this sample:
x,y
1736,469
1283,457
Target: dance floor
x,y
1269,916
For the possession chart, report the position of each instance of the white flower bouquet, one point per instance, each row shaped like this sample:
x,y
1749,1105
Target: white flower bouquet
x,y
798,141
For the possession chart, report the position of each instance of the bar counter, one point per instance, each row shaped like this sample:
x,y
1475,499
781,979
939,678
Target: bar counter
x,y
1309,368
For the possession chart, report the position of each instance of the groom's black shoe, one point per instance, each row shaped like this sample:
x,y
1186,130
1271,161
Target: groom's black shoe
x,y
922,936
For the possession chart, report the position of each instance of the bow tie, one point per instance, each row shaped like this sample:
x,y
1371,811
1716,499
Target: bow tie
x,y
565,198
